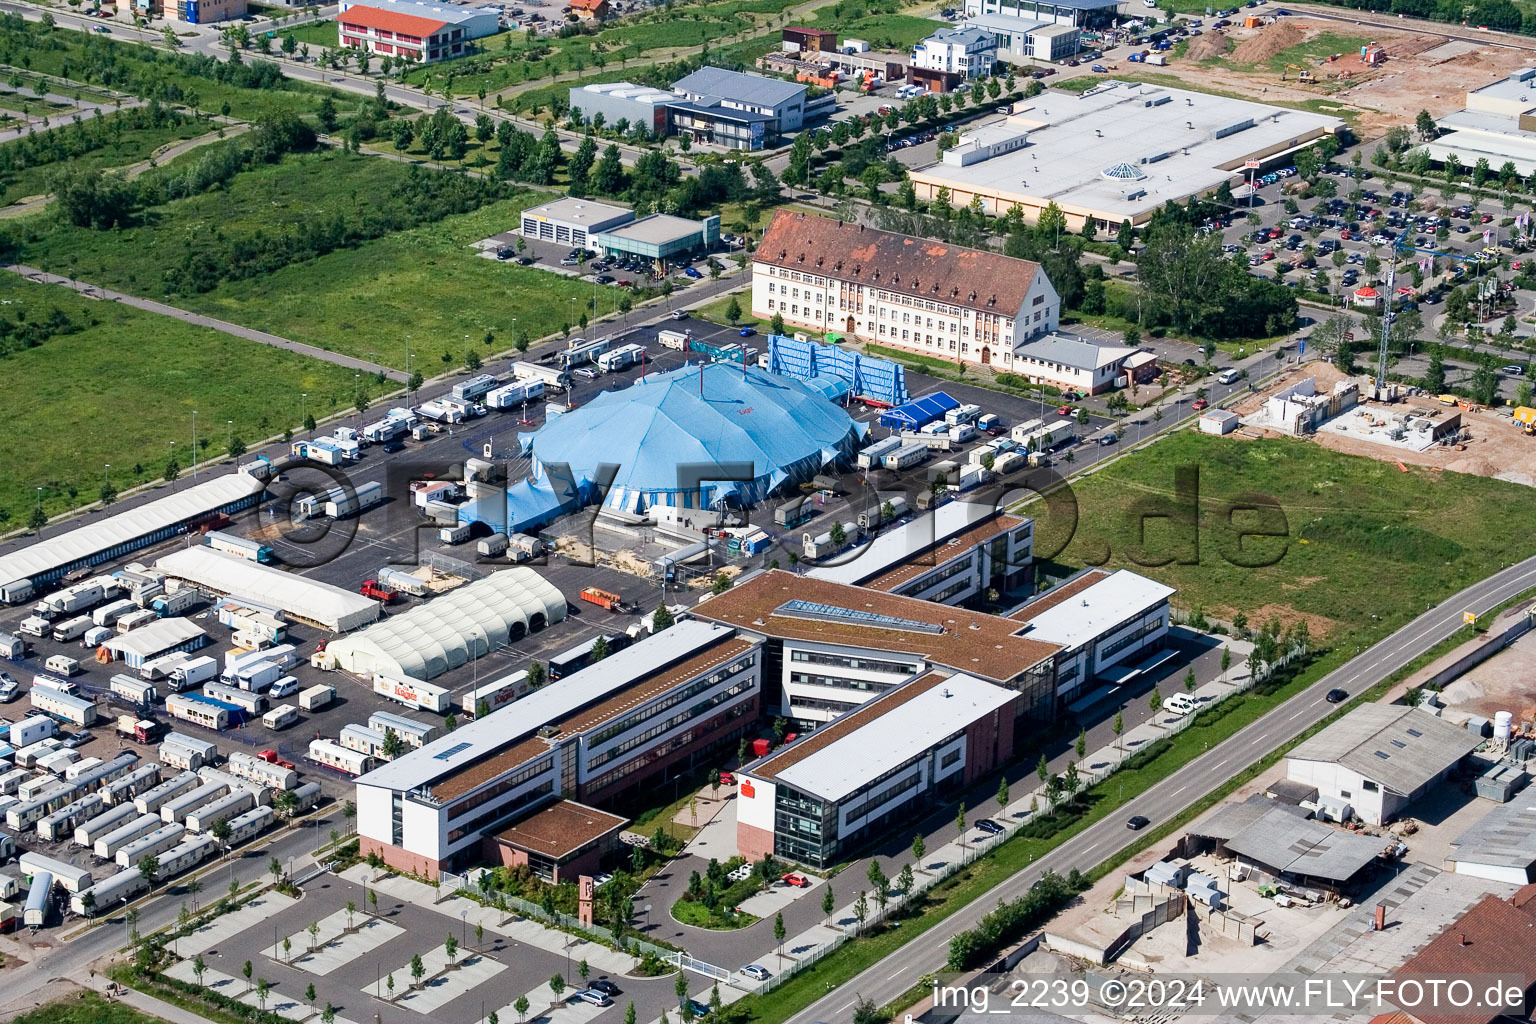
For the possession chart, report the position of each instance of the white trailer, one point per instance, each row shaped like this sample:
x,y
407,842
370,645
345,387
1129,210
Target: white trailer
x,y
28,756
252,822
39,900
71,877
73,629
56,761
1021,431
187,854
677,340
264,773
414,733
97,635
385,430
54,683
871,455
106,847
280,717
877,515
194,671
337,757
62,822
150,845
92,829
413,693
363,740
905,457
282,654
962,414
177,808
620,358
553,377
31,730
362,498
139,780
251,703
10,780
64,706
515,394
178,750
136,692
522,546
317,697
487,698
493,546
133,620
76,598
150,801
439,411
1008,462
222,809
108,614
120,888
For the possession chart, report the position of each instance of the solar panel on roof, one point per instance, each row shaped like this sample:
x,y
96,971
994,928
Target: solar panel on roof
x,y
1382,754
457,748
1400,744
816,610
1414,733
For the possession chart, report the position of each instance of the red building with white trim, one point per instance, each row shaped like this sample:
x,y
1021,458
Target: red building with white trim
x,y
422,33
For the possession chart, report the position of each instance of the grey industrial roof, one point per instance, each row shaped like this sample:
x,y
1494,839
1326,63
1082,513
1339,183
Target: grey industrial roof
x,y
311,600
452,753
960,36
105,534
578,211
657,229
1506,837
1228,820
723,112
1285,841
1403,748
1078,353
890,547
739,87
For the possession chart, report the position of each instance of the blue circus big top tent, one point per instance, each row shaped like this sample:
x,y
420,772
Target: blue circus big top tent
x,y
696,420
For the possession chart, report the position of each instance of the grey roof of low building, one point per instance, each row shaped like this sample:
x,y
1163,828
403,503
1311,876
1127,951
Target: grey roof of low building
x,y
960,36
1286,841
1505,837
1403,748
1229,820
739,87
724,113
1078,353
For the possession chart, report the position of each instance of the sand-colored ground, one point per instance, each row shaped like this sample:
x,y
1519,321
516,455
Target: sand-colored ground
x,y
1422,72
1496,447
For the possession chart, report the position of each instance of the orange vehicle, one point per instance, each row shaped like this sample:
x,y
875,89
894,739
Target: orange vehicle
x,y
604,599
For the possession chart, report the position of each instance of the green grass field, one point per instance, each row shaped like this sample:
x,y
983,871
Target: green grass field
x,y
130,147
1423,534
1321,47
426,283
76,403
319,33
881,31
85,1008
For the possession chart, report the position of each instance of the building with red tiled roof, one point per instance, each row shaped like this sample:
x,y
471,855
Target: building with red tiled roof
x,y
590,10
930,297
1495,937
414,30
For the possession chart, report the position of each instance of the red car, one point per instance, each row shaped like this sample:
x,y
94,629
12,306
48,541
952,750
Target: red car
x,y
797,880
1269,254
1065,410
1199,404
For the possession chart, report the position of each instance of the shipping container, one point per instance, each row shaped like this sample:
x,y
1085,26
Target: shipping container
x,y
150,801
552,377
225,807
177,808
280,717
414,733
72,877
187,598
151,844
39,900
31,730
121,888
412,693
136,692
106,846
200,710
339,758
252,822
317,697
362,498
133,620
62,822
517,393
905,457
103,823
492,546
64,706
109,613
485,699
187,752
72,629
264,773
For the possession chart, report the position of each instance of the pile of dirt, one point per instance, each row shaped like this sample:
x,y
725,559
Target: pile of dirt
x,y
1212,44
1474,465
1268,42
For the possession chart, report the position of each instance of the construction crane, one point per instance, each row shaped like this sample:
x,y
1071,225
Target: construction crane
x,y
1390,314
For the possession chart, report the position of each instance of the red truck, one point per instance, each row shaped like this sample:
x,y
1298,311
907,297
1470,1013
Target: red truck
x,y
371,588
273,757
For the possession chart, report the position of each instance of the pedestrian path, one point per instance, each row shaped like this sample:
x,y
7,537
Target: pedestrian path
x,y
227,926
600,958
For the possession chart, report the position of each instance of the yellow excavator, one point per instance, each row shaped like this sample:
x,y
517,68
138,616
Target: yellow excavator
x,y
1302,74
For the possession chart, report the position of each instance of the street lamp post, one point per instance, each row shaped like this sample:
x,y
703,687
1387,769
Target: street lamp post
x,y
194,446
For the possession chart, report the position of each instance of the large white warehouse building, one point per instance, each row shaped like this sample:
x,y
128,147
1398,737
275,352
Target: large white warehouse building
x,y
297,596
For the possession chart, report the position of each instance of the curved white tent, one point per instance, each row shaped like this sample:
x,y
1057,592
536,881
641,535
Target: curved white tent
x,y
453,629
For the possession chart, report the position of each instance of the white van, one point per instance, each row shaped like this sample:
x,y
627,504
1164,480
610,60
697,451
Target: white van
x,y
1180,704
284,687
1228,376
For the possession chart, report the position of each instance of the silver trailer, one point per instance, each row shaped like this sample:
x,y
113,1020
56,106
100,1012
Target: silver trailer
x,y
109,892
178,808
187,854
252,822
140,780
306,796
150,801
39,900
107,846
62,822
225,807
179,750
92,829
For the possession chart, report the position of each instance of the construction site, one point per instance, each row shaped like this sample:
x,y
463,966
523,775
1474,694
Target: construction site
x,y
1389,75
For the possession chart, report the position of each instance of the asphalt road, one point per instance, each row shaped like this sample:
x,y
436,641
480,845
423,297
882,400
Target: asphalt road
x,y
888,978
